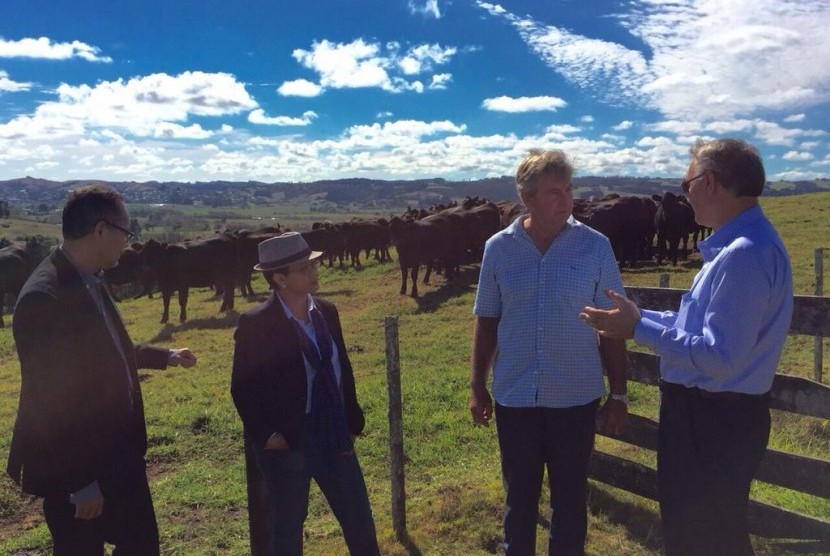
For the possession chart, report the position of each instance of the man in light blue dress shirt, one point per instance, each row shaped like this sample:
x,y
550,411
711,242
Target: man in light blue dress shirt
x,y
719,354
536,275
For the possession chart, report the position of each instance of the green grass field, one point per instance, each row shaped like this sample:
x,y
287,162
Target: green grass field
x,y
454,492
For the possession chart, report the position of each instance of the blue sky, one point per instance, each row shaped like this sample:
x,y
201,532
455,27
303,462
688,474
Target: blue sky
x,y
269,91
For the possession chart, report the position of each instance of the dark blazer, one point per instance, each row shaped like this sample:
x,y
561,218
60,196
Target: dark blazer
x,y
269,384
74,418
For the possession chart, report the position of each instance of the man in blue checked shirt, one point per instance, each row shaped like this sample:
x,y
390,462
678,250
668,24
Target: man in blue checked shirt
x,y
718,354
536,275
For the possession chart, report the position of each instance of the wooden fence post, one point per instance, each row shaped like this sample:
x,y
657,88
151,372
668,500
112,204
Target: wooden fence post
x,y
664,280
818,346
396,454
259,526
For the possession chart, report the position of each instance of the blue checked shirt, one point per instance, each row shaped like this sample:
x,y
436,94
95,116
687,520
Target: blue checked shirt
x,y
730,330
546,356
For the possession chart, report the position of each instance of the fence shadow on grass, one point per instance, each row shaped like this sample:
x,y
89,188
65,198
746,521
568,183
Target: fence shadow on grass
x,y
228,320
642,524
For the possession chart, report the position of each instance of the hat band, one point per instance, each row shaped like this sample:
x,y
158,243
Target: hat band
x,y
272,265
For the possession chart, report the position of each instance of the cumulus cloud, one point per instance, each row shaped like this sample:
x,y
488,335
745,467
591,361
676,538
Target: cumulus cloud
x,y
771,56
136,106
361,64
258,117
44,48
523,104
425,7
9,86
587,119
623,125
794,118
796,155
300,88
440,81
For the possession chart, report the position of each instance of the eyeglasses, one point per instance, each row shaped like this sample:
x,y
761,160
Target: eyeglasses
x,y
685,184
306,268
129,235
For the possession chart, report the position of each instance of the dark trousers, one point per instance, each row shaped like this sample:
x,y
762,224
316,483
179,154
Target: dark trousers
x,y
128,520
341,481
531,439
709,449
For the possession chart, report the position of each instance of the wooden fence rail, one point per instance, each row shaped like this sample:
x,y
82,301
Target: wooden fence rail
x,y
811,316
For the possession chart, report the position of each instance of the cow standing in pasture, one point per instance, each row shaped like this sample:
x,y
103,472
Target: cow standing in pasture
x,y
674,221
16,263
247,244
132,268
197,263
627,221
328,238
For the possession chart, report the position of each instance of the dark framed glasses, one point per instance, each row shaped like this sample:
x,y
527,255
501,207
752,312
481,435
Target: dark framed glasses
x,y
129,236
685,184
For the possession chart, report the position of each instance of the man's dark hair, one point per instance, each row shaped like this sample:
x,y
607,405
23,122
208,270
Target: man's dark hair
x,y
87,206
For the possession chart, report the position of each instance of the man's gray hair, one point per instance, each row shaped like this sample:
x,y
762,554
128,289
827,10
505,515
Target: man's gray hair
x,y
540,163
736,164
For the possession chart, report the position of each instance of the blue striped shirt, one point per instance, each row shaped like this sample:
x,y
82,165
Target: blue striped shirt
x,y
546,356
731,326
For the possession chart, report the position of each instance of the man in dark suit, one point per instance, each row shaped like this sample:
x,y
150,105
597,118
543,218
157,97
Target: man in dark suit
x,y
79,439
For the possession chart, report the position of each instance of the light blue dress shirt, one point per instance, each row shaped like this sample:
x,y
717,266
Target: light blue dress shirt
x,y
546,356
730,329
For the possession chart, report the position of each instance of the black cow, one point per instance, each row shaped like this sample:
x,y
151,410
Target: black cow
x,y
674,221
197,263
17,261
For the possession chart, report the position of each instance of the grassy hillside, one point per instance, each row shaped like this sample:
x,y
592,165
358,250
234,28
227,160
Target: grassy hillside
x,y
454,492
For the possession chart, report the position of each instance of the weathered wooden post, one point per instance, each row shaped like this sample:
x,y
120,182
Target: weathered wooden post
x,y
396,454
664,280
818,346
258,523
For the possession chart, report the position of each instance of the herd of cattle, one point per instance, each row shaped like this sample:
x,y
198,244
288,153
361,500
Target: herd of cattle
x,y
440,239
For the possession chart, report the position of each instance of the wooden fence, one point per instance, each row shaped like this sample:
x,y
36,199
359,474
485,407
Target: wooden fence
x,y
811,316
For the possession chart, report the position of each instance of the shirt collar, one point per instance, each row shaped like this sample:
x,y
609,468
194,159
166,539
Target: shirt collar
x,y
291,315
712,245
517,227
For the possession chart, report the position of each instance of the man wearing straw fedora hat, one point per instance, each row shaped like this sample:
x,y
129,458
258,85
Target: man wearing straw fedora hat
x,y
293,386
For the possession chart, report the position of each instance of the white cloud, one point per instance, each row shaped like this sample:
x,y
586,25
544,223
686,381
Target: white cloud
x,y
134,107
523,104
425,7
424,57
258,117
795,155
587,119
361,64
9,86
44,48
440,81
169,130
794,118
384,115
623,125
300,88
771,55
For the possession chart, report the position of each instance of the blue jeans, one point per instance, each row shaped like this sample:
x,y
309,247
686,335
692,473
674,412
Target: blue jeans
x,y
561,439
341,481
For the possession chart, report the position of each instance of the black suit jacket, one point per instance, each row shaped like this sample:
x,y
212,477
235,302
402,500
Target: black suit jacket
x,y
75,418
269,384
